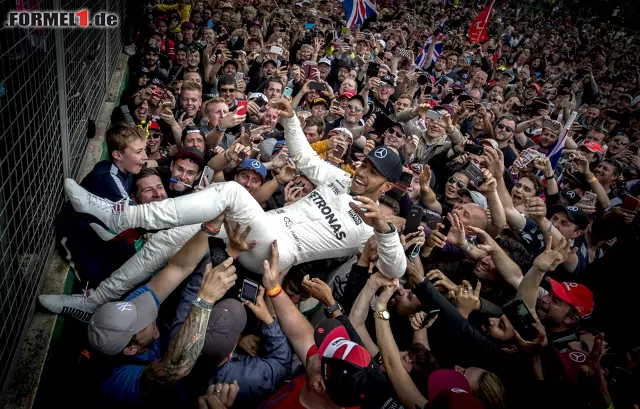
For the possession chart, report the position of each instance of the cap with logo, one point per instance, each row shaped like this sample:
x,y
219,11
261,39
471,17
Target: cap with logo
x,y
226,322
157,82
448,388
574,214
154,126
592,147
387,162
346,365
254,165
477,197
325,60
389,80
277,147
574,294
320,101
570,196
189,152
345,133
113,326
258,95
152,48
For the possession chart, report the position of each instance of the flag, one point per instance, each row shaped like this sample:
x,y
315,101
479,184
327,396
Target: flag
x,y
422,53
478,30
357,11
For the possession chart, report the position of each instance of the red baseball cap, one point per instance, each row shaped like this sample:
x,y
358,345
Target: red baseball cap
x,y
575,294
154,125
443,381
536,86
348,94
593,147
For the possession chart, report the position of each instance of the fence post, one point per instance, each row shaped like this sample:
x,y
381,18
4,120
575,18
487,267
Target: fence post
x,y
62,96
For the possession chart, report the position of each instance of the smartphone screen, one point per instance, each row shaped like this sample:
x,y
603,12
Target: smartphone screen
x,y
316,86
521,319
249,291
242,108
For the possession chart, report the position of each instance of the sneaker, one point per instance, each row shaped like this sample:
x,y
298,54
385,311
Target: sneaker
x,y
130,49
112,214
103,233
78,306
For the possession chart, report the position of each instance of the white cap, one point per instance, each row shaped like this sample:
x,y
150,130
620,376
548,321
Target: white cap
x,y
324,61
382,43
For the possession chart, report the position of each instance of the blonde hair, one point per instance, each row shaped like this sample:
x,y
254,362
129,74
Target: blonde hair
x,y
491,392
190,85
121,135
209,104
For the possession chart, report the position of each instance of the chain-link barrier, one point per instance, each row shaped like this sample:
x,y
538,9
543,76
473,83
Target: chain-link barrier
x,y
52,83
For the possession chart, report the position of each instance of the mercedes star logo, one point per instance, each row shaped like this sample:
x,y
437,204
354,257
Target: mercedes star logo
x,y
380,153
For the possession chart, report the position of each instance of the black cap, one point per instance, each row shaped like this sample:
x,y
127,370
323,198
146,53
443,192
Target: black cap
x,y
181,46
463,98
346,64
232,62
389,79
575,215
152,48
192,153
155,81
387,162
570,196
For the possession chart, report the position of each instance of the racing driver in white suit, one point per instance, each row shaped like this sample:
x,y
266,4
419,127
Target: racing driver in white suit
x,y
334,220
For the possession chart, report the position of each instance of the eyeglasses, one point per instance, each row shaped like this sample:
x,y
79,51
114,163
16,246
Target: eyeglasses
x,y
505,127
457,182
354,107
226,90
392,131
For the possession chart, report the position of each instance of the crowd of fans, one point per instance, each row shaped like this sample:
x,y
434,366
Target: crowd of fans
x,y
299,214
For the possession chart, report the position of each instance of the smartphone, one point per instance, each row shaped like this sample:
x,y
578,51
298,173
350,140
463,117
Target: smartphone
x,y
309,26
316,86
428,317
306,68
373,69
589,198
239,76
406,179
287,92
284,64
475,149
446,226
207,173
413,219
527,157
242,108
473,173
521,319
275,50
630,203
249,290
217,250
404,52
435,116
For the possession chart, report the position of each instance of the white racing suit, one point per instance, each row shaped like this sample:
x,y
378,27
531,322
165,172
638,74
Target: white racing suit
x,y
320,225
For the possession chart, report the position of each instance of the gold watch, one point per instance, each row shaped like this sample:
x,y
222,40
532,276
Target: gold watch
x,y
382,314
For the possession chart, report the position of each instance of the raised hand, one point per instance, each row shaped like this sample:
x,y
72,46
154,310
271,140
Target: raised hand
x,y
319,290
237,239
285,110
370,213
260,308
466,298
441,281
553,256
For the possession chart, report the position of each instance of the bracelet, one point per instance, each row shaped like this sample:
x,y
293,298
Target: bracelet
x,y
467,245
550,177
593,179
211,231
274,292
200,303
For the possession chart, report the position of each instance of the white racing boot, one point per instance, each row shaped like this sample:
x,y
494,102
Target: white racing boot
x,y
112,214
78,306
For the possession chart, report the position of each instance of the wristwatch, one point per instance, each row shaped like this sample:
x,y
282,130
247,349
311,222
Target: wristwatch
x,y
393,228
382,314
205,305
328,311
220,129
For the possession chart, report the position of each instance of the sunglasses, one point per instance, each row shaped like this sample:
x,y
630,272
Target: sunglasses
x,y
458,183
354,107
392,131
505,127
226,90
154,135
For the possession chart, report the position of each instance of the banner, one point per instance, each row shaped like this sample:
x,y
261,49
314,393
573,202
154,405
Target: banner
x,y
478,30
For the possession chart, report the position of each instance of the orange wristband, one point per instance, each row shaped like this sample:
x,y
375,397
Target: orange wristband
x,y
274,291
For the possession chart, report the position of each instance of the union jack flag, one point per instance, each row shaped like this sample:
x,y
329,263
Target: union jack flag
x,y
422,55
357,11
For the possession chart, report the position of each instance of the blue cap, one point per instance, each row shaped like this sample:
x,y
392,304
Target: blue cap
x,y
278,146
387,162
254,165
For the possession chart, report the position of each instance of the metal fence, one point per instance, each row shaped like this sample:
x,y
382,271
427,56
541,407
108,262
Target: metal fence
x,y
52,83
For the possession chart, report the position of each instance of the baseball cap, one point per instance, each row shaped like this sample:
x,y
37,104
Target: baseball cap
x,y
156,82
347,94
575,214
187,25
444,381
477,197
346,134
232,62
464,97
490,142
387,162
274,62
382,43
277,147
575,294
593,147
325,61
258,95
154,126
358,97
508,72
346,365
152,48
254,165
319,101
534,85
113,326
570,196
389,79
226,322
190,152
253,40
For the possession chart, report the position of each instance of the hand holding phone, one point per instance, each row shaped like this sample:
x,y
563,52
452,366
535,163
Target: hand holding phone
x,y
242,108
249,291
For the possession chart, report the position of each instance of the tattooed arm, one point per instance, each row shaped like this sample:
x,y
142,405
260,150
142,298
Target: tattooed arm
x,y
185,348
